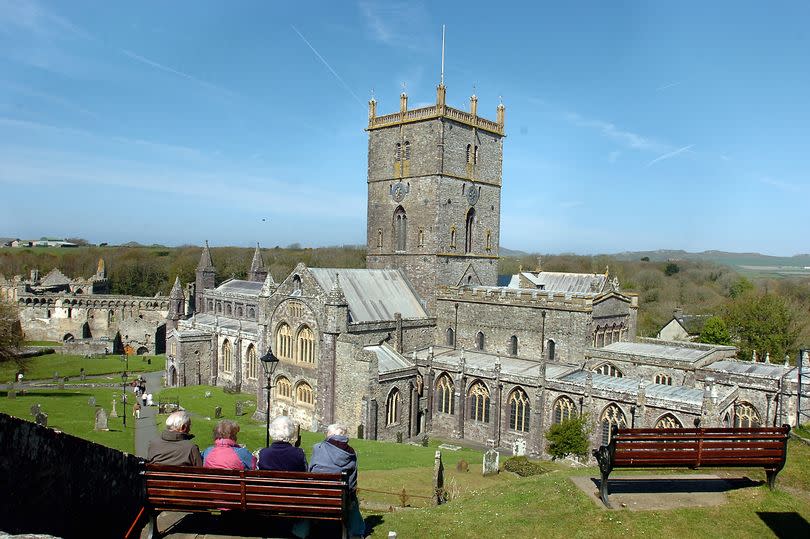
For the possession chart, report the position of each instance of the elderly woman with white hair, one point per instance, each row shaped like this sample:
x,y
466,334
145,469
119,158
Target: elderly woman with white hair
x,y
282,454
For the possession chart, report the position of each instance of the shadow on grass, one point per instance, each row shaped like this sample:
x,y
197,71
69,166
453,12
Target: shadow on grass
x,y
785,525
38,393
238,524
372,521
669,485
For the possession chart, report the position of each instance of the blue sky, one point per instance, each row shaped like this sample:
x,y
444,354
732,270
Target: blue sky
x,y
631,125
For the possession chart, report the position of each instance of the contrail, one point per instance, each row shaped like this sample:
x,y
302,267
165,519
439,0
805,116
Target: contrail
x,y
668,155
173,71
321,58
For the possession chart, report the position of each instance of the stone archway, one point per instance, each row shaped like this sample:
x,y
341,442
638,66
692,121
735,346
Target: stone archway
x,y
172,376
68,337
142,351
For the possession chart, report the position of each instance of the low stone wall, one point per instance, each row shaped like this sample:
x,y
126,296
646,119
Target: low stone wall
x,y
55,483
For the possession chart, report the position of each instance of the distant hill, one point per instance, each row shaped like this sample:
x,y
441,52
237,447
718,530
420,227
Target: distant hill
x,y
503,251
750,262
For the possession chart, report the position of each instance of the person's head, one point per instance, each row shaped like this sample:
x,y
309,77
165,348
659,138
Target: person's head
x,y
178,422
335,429
226,429
282,429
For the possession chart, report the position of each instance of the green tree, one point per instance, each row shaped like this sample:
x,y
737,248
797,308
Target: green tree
x,y
762,322
740,287
671,269
715,331
10,332
569,437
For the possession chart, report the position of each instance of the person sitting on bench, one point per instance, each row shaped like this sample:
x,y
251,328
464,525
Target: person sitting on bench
x,y
174,446
282,455
226,453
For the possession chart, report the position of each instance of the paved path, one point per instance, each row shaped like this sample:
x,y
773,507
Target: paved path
x,y
145,427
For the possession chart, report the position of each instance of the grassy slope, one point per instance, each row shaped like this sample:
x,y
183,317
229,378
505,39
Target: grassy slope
x,y
43,367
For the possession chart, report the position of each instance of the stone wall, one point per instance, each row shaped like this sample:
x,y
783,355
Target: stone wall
x,y
61,485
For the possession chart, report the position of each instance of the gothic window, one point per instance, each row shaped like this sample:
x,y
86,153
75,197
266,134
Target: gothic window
x,y
663,379
668,421
392,408
479,341
228,309
552,349
746,416
303,393
564,409
305,344
469,153
513,345
400,228
445,401
283,388
451,337
421,237
475,155
219,308
284,349
478,397
210,305
453,237
407,150
251,313
468,231
252,363
110,316
240,312
611,416
609,370
227,357
489,240
519,411
726,421
398,152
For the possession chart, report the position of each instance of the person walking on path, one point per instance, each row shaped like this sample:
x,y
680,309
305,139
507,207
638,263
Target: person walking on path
x,y
136,410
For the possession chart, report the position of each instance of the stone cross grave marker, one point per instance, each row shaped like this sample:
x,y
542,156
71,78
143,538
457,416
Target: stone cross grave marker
x,y
218,412
101,420
35,409
519,447
91,401
438,479
238,408
114,412
42,419
491,462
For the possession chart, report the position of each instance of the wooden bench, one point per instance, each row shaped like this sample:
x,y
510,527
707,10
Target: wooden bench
x,y
693,448
295,495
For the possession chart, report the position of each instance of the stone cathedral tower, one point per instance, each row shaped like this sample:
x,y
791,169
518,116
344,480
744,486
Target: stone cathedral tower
x,y
434,194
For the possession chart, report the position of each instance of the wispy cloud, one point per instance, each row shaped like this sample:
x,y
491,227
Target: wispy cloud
x,y
629,139
329,67
173,71
670,155
782,185
668,85
384,22
32,18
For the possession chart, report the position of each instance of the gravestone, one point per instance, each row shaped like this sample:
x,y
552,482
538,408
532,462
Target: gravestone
x,y
82,375
55,377
360,429
113,412
438,479
42,419
238,408
101,420
491,464
207,395
91,401
519,447
218,412
462,466
35,409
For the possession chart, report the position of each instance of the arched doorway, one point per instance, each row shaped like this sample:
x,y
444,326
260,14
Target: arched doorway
x,y
172,376
142,351
160,339
86,334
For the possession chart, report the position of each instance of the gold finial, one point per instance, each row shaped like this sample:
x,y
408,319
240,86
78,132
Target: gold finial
x,y
607,270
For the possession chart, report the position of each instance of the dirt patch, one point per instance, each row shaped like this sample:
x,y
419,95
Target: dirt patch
x,y
661,492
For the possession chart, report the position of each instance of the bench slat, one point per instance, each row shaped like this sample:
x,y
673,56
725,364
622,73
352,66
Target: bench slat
x,y
297,509
193,485
270,499
197,494
175,503
295,491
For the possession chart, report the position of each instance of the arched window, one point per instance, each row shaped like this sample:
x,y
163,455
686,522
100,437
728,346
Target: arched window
x,y
392,408
552,349
479,341
451,337
407,150
468,231
726,421
379,238
746,416
240,312
283,388
478,397
668,421
445,401
663,379
173,348
305,344
251,313
398,152
303,393
110,316
421,237
609,369
469,153
564,409
611,416
227,357
453,237
400,228
475,155
284,349
219,307
519,411
489,240
296,285
513,345
228,309
252,363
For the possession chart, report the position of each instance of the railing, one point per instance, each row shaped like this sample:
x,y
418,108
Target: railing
x,y
434,111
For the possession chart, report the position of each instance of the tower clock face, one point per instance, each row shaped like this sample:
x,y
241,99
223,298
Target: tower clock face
x,y
398,191
472,195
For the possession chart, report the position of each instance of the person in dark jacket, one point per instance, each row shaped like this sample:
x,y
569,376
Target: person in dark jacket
x,y
282,455
335,455
174,445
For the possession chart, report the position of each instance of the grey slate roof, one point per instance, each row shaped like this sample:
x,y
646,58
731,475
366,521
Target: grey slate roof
x,y
237,286
672,352
688,395
484,361
373,294
750,368
211,321
388,359
555,281
693,323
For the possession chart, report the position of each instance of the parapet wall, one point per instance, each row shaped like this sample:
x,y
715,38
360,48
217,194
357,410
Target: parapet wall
x,y
516,296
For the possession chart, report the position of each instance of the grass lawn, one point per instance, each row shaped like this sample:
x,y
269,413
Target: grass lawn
x,y
43,367
68,410
50,344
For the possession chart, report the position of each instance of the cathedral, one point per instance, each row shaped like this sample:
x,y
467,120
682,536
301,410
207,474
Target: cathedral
x,y
425,342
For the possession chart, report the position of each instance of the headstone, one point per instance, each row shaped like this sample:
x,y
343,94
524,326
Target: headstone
x,y
438,479
491,464
238,408
207,395
218,412
392,535
360,429
91,401
35,409
82,375
42,419
55,377
462,466
519,447
113,412
101,420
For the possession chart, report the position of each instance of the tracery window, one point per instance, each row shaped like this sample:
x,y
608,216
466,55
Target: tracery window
x,y
252,363
445,401
284,349
519,411
609,369
303,393
611,416
400,228
283,388
746,416
564,409
663,379
668,421
227,357
478,397
392,408
306,345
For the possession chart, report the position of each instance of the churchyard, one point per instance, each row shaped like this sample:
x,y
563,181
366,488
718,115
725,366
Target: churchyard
x,y
43,367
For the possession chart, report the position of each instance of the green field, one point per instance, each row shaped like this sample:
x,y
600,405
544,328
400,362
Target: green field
x,y
44,367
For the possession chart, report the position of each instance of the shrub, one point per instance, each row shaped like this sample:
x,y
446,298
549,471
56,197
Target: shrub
x,y
569,437
523,467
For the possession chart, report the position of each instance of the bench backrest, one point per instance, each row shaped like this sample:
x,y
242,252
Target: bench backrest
x,y
290,494
727,447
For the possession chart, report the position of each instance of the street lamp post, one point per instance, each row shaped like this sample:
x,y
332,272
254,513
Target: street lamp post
x,y
269,364
124,393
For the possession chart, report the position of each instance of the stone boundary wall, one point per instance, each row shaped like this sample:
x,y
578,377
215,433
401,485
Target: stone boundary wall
x,y
61,485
